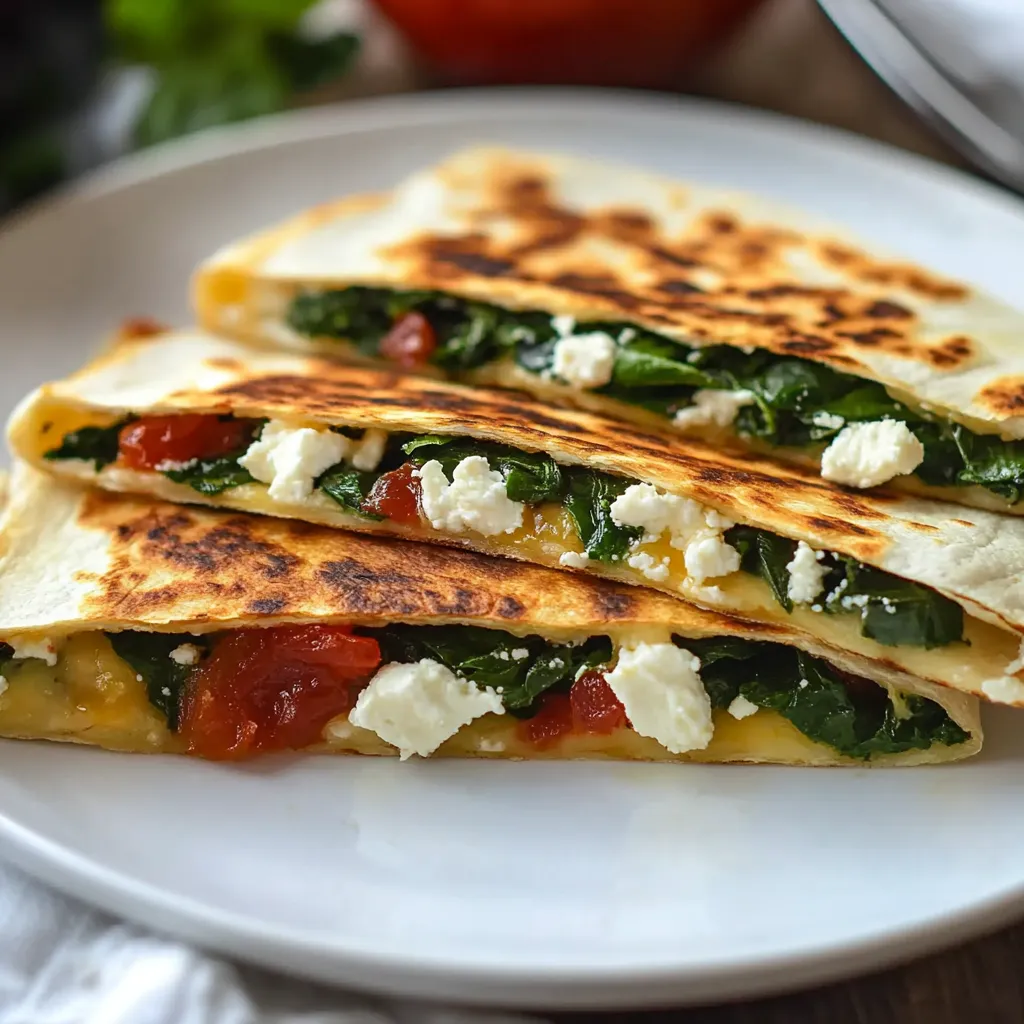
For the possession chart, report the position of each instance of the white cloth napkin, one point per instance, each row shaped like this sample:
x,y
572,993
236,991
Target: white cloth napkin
x,y
64,963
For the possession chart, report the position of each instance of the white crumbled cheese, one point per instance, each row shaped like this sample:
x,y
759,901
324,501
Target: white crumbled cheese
x,y
585,360
563,325
713,408
417,707
827,420
645,506
1004,690
486,746
3,685
574,559
369,449
186,654
742,708
662,693
289,459
474,500
806,574
692,528
504,656
138,678
25,647
803,684
1017,664
869,454
646,564
519,653
708,556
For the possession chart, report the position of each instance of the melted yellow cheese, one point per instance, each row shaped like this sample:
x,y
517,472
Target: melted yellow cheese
x,y
92,696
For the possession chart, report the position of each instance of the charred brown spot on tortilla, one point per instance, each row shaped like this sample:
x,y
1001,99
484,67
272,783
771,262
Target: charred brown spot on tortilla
x,y
510,608
1005,396
952,352
963,522
883,309
224,363
46,427
141,327
677,286
616,604
900,275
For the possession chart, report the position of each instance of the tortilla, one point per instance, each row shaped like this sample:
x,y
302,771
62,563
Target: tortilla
x,y
695,265
80,567
974,559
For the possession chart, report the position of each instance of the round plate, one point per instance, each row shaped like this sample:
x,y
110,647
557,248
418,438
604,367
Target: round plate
x,y
531,884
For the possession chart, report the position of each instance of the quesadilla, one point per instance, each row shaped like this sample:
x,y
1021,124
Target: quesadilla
x,y
676,307
138,625
932,590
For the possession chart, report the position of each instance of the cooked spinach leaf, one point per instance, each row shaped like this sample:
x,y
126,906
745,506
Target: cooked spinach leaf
x,y
212,476
798,403
854,716
349,487
589,504
97,445
520,669
530,477
766,555
149,655
893,611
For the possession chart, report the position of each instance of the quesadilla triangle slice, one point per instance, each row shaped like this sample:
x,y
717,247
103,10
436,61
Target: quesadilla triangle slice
x,y
139,625
934,590
677,307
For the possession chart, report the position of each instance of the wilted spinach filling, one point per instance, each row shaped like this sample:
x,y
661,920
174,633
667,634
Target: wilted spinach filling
x,y
853,716
795,400
893,611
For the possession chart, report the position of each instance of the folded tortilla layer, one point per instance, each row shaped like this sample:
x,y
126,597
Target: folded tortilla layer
x,y
595,242
77,563
974,558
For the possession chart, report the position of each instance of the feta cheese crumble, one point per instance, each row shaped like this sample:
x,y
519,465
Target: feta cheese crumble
x,y
806,574
574,559
661,690
869,454
742,708
646,564
186,654
713,408
25,647
1004,690
3,685
369,449
828,420
692,529
475,499
290,459
416,707
585,360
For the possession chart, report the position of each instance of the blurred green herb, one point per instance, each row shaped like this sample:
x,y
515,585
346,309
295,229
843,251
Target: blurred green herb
x,y
222,60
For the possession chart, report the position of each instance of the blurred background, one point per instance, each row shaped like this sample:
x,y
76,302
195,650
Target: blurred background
x,y
82,81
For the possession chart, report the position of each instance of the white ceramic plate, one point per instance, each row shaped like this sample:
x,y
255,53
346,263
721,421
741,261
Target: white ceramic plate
x,y
531,884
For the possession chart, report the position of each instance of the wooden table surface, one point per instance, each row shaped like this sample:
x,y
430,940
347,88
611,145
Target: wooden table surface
x,y
980,983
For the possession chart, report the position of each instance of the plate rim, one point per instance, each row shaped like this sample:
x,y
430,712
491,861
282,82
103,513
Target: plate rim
x,y
279,948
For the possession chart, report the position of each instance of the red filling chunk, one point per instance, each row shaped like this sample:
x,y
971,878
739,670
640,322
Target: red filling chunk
x,y
274,689
163,442
396,495
410,343
590,706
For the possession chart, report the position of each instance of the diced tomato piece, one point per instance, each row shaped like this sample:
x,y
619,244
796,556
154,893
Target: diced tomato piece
x,y
274,689
156,441
396,495
411,341
550,724
594,707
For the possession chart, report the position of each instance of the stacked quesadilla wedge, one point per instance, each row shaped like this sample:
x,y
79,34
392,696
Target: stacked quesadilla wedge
x,y
675,307
928,590
139,625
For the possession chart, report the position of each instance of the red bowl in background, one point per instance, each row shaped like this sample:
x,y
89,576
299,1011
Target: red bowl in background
x,y
643,43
